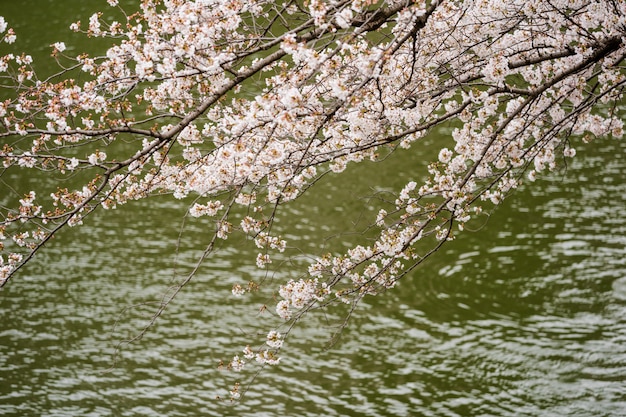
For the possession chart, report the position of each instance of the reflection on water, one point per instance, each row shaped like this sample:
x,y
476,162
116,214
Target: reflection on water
x,y
524,317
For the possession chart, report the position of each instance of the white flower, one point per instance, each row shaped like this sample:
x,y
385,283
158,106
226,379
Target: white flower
x,y
223,229
263,259
94,23
289,43
267,357
26,160
291,98
245,199
59,46
496,70
28,199
10,37
380,218
344,18
237,364
209,209
282,309
96,157
238,290
274,339
569,152
404,194
14,259
445,155
248,353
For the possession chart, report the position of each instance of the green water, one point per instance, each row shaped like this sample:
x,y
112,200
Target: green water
x,y
524,317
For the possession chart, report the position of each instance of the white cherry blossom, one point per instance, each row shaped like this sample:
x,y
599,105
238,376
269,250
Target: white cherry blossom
x,y
239,118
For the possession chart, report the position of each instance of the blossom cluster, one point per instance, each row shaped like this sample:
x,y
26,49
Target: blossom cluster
x,y
242,106
298,295
263,356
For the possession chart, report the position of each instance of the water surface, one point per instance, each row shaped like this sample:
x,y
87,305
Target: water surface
x,y
525,316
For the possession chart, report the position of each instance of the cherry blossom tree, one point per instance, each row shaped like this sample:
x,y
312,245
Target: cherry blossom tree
x,y
243,105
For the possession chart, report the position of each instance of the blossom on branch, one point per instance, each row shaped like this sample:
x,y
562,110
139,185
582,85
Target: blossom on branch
x,y
245,105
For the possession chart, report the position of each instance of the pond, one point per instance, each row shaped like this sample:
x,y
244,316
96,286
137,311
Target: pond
x,y
524,316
